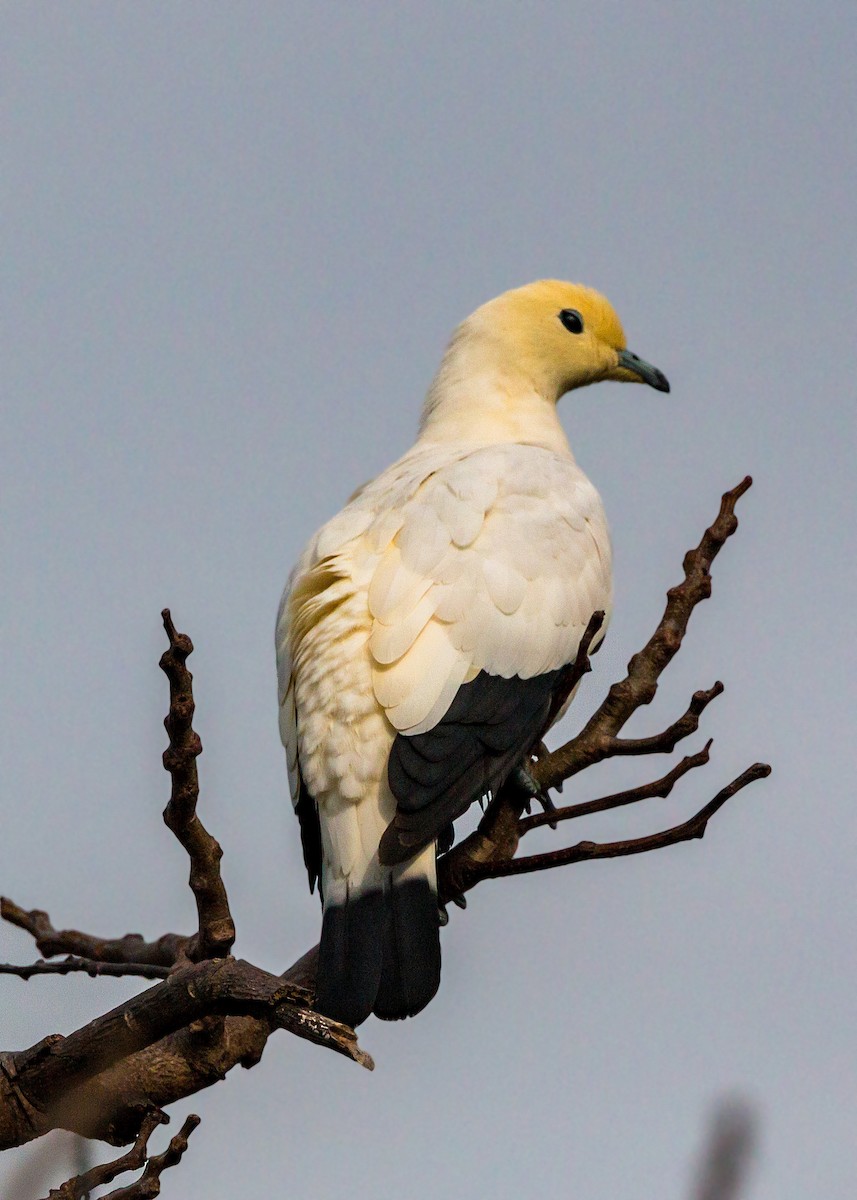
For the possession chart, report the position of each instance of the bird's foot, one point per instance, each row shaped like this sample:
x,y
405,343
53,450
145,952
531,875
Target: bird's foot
x,y
443,915
531,789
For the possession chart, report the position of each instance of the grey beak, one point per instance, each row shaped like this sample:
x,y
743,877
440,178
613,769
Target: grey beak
x,y
649,374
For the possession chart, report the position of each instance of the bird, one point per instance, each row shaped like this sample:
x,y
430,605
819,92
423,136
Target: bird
x,y
424,636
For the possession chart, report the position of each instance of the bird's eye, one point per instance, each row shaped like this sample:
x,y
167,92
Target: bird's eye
x,y
572,320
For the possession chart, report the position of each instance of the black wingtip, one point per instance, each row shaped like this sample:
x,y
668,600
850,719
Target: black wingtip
x,y
395,847
307,813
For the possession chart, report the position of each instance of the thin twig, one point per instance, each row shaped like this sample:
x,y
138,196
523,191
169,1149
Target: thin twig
x,y
586,851
216,927
149,1183
490,850
80,1186
598,739
86,966
580,667
131,948
666,741
660,788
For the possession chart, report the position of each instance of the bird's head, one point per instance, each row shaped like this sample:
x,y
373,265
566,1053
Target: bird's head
x,y
512,359
558,336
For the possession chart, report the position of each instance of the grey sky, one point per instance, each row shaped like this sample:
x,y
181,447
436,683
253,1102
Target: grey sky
x,y
236,237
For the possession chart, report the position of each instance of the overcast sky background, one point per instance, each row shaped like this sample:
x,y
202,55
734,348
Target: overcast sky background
x,y
235,240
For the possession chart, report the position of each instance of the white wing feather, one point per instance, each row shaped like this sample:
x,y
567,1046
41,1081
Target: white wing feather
x,y
451,562
498,564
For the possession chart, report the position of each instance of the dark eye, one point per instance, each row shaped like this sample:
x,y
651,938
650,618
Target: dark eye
x,y
572,320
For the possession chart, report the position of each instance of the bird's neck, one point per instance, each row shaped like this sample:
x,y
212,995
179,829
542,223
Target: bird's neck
x,y
489,405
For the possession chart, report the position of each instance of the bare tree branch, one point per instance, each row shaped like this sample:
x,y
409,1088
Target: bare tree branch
x,y
666,742
87,966
110,1105
489,852
597,739
44,1081
216,928
148,1185
660,789
128,949
79,1187
586,851
216,933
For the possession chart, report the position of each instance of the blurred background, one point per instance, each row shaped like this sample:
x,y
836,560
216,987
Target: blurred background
x,y
235,240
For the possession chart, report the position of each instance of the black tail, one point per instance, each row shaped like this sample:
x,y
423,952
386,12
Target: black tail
x,y
380,952
350,957
411,971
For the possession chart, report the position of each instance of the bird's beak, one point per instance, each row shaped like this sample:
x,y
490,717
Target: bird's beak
x,y
640,371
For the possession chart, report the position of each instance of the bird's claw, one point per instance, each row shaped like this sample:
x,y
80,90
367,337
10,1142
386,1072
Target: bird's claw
x,y
445,839
531,789
443,914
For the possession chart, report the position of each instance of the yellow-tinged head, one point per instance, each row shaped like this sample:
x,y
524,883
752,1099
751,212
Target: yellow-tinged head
x,y
511,360
559,335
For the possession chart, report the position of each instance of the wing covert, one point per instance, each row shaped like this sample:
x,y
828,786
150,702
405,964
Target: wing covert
x,y
497,564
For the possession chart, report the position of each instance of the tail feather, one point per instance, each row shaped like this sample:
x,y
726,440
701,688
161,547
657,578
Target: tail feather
x,y
411,970
380,949
350,956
